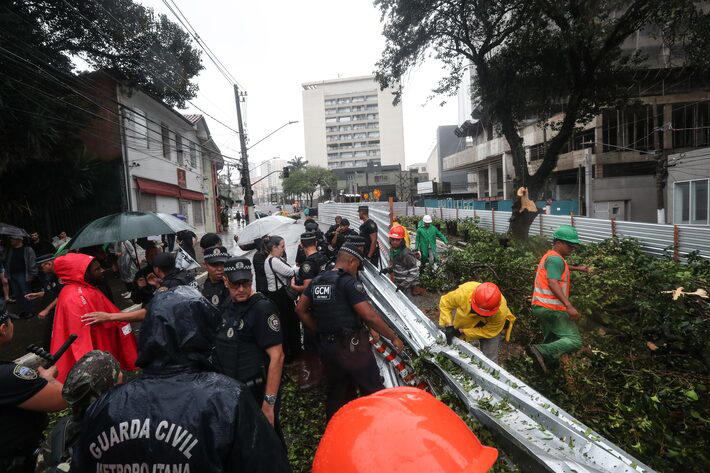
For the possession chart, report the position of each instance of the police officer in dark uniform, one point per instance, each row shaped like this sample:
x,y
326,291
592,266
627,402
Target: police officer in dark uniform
x,y
336,306
321,245
338,237
314,262
214,289
51,286
368,230
249,346
26,395
179,413
167,276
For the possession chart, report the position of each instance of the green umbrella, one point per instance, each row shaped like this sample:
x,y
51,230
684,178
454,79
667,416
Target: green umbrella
x,y
125,226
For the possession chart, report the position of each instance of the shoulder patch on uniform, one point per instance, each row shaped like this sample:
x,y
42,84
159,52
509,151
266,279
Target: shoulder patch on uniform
x,y
274,322
306,267
25,373
215,299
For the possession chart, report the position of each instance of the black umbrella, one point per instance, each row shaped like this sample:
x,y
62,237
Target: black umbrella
x,y
12,232
126,226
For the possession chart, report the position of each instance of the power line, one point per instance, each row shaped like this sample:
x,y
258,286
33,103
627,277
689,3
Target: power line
x,y
157,76
193,32
89,99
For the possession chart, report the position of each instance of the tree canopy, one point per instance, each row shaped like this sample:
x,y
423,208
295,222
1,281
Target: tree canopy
x,y
307,180
43,96
537,59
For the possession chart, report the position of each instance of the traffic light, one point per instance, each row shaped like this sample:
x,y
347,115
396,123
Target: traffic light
x,y
285,172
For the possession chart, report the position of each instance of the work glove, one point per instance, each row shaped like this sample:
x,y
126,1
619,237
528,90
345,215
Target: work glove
x,y
385,270
450,333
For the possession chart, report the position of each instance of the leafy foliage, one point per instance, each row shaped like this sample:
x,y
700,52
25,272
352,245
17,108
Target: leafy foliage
x,y
307,180
642,377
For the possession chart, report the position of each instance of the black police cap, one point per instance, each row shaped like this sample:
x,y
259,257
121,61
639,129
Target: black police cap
x,y
237,269
215,255
308,236
356,240
351,249
345,222
363,208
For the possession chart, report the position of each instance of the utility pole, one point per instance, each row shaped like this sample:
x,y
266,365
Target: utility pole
x,y
246,179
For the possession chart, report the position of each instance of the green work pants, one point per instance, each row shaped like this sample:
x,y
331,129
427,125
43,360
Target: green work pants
x,y
560,334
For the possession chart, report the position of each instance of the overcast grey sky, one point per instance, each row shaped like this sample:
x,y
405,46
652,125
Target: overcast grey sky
x,y
273,47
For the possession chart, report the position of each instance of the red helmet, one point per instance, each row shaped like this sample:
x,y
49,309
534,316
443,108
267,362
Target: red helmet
x,y
397,232
400,430
485,300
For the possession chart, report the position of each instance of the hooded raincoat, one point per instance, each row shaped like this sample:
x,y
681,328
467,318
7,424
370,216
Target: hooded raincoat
x,y
426,239
179,415
76,299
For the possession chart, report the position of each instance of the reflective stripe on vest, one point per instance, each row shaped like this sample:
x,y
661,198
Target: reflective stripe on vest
x,y
542,294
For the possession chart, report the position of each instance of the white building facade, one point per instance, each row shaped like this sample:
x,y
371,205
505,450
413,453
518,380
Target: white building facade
x,y
163,159
350,122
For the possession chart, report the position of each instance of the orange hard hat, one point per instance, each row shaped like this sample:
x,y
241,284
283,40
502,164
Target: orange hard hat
x,y
397,232
485,300
400,430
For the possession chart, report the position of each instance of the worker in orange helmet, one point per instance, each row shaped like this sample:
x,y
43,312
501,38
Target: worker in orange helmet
x,y
476,311
404,266
400,430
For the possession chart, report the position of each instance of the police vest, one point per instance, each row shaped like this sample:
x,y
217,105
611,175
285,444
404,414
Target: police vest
x,y
236,355
217,294
317,260
329,307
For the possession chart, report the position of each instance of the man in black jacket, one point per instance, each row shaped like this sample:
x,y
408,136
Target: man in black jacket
x,y
166,275
142,292
179,415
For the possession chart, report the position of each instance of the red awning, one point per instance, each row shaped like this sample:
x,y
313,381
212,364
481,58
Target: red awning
x,y
191,195
159,188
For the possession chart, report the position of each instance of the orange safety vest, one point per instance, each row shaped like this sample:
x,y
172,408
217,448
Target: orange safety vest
x,y
542,295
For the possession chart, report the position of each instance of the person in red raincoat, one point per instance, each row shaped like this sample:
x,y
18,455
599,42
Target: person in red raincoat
x,y
80,274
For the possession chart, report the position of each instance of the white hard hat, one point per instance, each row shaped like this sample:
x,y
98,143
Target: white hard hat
x,y
427,219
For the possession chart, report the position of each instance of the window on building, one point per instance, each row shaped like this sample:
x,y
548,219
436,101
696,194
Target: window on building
x,y
165,137
372,116
344,119
537,152
691,125
137,123
640,168
691,201
632,128
373,134
371,97
197,215
147,202
346,155
331,120
373,142
178,149
360,154
193,154
381,178
583,139
185,208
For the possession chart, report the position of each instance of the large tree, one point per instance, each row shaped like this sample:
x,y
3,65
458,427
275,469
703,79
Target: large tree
x,y
43,103
307,180
534,59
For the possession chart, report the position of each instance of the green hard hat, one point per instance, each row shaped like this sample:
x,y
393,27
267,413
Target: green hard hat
x,y
566,233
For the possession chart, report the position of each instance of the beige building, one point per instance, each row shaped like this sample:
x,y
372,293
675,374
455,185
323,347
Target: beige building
x,y
350,122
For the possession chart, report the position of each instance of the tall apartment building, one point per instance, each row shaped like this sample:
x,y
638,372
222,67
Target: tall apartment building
x,y
351,123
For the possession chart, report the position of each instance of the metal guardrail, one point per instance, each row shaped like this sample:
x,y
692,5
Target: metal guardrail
x,y
655,239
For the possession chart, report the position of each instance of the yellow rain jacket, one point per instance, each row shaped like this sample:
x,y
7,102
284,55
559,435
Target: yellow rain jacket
x,y
472,325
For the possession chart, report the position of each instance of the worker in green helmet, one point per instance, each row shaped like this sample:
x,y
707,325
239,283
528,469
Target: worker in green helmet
x,y
550,301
